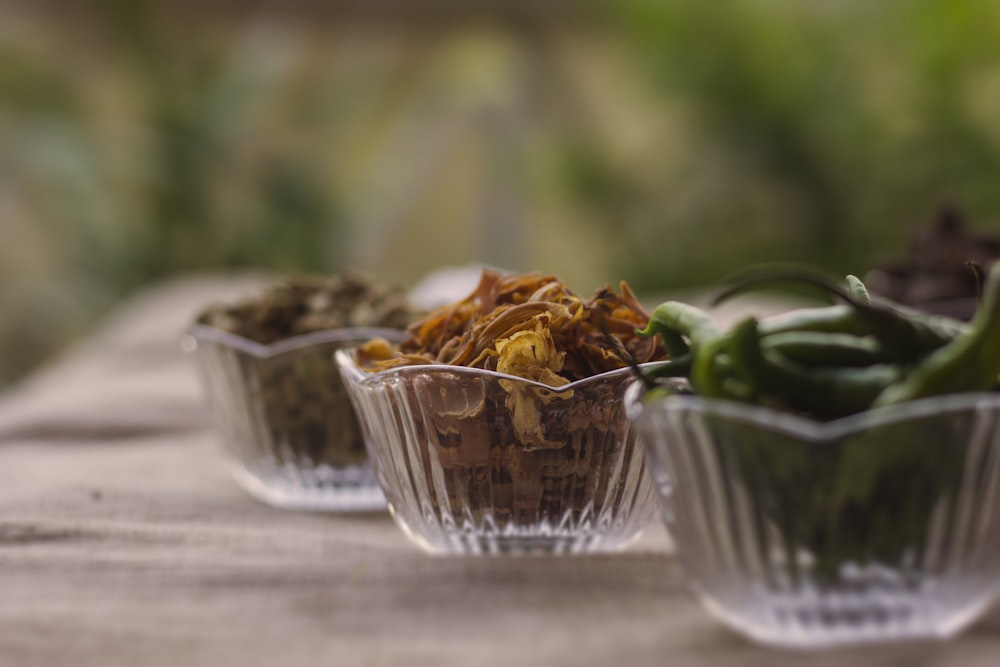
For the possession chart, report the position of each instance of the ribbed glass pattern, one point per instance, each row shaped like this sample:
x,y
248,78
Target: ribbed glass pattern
x,y
473,461
880,526
285,418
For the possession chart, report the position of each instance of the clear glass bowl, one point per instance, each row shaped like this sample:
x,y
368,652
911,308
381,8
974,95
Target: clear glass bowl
x,y
474,461
285,418
884,525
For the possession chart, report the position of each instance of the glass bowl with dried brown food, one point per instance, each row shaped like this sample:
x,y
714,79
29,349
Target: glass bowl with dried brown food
x,y
275,393
498,425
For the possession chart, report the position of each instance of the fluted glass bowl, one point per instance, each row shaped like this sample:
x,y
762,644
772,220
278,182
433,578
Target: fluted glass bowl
x,y
474,461
884,525
285,419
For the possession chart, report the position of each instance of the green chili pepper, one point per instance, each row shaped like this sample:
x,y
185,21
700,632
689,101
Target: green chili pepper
x,y
674,317
830,393
663,323
815,348
831,319
833,361
674,321
906,338
858,289
944,327
823,392
970,363
675,343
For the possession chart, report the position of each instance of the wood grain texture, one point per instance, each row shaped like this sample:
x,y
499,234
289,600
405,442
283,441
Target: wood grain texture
x,y
124,542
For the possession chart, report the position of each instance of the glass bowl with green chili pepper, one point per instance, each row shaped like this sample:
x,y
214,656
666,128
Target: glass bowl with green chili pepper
x,y
275,394
834,476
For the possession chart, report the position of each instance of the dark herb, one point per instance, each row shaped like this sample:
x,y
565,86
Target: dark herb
x,y
299,390
307,304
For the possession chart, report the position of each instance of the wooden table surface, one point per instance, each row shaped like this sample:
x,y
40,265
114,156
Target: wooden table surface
x,y
123,541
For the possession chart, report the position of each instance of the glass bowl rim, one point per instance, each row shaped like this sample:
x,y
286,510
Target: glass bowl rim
x,y
347,362
206,332
774,420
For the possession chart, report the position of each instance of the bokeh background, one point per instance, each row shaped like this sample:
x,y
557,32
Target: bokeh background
x,y
664,142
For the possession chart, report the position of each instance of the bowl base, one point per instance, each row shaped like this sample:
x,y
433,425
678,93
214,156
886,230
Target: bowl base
x,y
513,540
810,622
320,489
527,545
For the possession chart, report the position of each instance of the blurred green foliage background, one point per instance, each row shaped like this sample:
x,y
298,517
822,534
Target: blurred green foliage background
x,y
664,142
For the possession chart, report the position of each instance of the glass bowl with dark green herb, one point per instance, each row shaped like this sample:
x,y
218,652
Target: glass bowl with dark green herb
x,y
831,475
276,396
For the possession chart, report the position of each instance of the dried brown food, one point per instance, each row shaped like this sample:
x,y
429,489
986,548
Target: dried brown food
x,y
529,325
